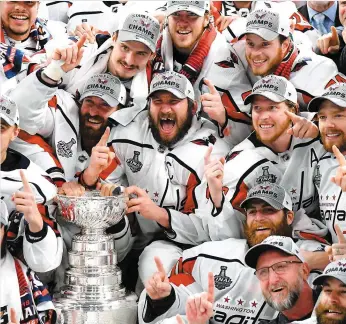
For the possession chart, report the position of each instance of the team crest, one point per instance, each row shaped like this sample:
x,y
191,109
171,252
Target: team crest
x,y
82,158
266,176
134,163
143,23
221,280
64,149
317,177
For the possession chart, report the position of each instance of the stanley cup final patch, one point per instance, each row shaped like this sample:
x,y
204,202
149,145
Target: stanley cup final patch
x,y
64,149
221,280
134,163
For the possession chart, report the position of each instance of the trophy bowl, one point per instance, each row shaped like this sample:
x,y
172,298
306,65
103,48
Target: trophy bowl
x,y
92,210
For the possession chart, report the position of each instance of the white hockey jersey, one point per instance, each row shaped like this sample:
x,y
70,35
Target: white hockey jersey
x,y
332,199
238,296
169,175
310,73
225,71
251,163
43,250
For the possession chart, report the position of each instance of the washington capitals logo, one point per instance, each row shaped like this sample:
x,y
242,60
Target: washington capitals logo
x,y
205,141
265,81
103,81
260,16
167,77
265,187
341,264
146,25
301,64
229,62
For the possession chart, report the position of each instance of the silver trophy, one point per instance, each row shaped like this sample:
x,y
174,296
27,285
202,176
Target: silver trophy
x,y
93,293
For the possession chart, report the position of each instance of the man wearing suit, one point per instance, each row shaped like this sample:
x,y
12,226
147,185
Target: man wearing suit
x,y
321,14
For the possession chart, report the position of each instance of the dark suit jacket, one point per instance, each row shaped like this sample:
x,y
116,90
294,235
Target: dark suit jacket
x,y
304,11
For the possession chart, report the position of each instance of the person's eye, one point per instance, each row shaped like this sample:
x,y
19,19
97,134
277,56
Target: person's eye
x,y
273,107
339,116
268,210
249,44
265,44
124,48
281,267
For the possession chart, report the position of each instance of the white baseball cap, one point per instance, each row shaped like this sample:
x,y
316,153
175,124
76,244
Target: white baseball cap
x,y
267,24
107,87
335,93
197,7
281,243
275,88
142,28
276,196
9,110
336,269
174,83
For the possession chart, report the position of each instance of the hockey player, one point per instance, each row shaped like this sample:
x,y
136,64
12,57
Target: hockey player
x,y
283,274
275,152
228,12
125,55
191,46
162,158
270,50
22,295
23,38
330,173
28,204
331,306
238,296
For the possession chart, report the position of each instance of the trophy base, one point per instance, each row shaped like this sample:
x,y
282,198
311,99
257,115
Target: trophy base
x,y
121,311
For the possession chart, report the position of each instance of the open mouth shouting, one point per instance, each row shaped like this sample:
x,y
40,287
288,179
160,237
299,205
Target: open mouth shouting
x,y
167,125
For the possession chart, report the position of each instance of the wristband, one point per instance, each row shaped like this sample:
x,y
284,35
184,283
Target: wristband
x,y
86,186
54,71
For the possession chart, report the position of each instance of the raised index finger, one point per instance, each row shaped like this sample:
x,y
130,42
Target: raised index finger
x,y
104,139
340,235
295,118
81,41
335,35
211,87
207,155
13,317
159,266
341,159
25,181
211,287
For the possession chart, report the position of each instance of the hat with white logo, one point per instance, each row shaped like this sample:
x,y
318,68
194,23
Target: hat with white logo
x,y
275,88
174,83
267,24
197,7
335,93
281,243
142,28
3,213
276,196
9,110
336,269
107,87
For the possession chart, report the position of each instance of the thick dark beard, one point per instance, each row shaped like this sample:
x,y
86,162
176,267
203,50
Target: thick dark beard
x,y
89,136
281,229
182,131
320,310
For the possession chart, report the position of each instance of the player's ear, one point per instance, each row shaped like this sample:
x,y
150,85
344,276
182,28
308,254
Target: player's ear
x,y
115,36
289,217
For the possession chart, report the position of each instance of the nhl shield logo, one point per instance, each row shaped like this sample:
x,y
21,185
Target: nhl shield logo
x,y
134,163
64,149
266,176
221,280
